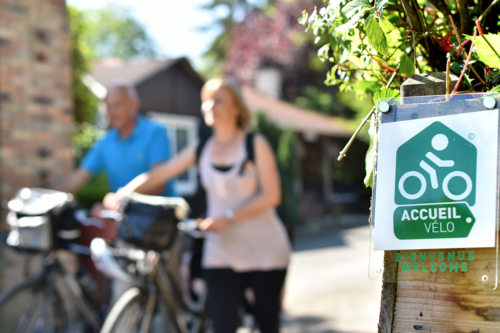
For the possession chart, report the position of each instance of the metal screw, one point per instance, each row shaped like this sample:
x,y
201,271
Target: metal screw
x,y
484,278
384,107
489,102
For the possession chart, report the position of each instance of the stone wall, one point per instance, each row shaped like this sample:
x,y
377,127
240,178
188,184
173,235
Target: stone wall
x,y
35,105
35,94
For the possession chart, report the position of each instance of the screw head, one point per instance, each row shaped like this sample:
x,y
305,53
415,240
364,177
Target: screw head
x,y
384,107
489,102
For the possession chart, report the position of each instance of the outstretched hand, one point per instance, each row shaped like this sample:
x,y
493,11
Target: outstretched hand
x,y
112,201
217,224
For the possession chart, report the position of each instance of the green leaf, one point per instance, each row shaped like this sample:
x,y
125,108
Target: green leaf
x,y
333,42
488,49
456,68
346,27
376,35
496,89
384,93
350,9
370,154
368,86
381,5
387,26
407,66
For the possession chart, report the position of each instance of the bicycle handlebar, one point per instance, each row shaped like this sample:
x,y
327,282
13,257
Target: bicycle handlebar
x,y
191,228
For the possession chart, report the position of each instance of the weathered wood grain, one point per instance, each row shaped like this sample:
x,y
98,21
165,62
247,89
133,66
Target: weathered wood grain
x,y
389,290
448,301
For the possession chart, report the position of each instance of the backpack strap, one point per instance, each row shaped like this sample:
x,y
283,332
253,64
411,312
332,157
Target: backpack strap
x,y
250,150
199,148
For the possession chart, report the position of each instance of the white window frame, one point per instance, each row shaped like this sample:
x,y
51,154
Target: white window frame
x,y
171,122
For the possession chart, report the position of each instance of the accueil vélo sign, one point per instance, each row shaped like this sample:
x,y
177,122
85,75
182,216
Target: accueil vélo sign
x,y
436,183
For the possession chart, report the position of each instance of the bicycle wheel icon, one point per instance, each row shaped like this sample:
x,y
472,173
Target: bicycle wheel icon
x,y
446,182
423,185
468,185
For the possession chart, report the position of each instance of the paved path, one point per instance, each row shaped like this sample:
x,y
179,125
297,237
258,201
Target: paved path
x,y
328,289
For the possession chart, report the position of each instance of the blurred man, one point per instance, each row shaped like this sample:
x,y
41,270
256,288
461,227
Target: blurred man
x,y
132,146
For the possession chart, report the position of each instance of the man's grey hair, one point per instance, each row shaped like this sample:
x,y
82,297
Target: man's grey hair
x,y
124,84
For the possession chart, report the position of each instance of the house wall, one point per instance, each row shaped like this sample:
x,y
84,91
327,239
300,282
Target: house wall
x,y
171,91
35,94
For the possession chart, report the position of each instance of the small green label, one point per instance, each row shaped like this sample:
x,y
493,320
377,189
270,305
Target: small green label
x,y
450,220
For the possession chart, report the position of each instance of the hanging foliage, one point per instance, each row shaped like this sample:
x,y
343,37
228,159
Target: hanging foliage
x,y
373,46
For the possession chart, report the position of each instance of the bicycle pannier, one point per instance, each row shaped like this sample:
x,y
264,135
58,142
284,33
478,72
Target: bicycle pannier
x,y
150,222
38,220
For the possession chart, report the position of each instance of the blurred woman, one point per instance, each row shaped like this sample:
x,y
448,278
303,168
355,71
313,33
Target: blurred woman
x,y
246,244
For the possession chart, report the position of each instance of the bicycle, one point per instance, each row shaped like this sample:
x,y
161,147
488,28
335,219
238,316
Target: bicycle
x,y
35,304
156,291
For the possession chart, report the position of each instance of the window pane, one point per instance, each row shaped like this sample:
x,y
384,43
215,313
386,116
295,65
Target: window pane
x,y
181,135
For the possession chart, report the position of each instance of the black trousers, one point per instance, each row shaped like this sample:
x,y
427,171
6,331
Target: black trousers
x,y
225,295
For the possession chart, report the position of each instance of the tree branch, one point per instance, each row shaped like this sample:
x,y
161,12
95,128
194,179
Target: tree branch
x,y
413,17
441,6
465,21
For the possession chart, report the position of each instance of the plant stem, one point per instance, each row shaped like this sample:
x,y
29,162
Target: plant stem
x,y
462,50
478,24
384,65
466,64
448,77
343,153
487,10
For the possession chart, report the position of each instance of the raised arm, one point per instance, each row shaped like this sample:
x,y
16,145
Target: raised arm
x,y
270,189
147,182
72,182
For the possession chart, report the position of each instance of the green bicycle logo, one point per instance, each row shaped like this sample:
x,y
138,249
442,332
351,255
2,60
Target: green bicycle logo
x,y
439,142
441,158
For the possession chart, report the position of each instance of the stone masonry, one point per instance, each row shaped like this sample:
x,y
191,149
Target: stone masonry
x,y
35,94
35,107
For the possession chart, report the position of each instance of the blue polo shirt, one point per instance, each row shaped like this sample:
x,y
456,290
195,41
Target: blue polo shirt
x,y
124,159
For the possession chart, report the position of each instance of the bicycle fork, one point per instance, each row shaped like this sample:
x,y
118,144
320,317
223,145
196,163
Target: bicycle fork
x,y
150,307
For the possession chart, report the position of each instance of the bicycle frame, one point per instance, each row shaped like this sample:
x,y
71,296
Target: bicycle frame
x,y
52,268
161,282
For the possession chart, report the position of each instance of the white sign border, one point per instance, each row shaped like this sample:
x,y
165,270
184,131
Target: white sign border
x,y
482,234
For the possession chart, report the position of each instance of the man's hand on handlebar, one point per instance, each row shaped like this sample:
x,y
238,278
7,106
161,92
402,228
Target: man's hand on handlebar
x,y
112,201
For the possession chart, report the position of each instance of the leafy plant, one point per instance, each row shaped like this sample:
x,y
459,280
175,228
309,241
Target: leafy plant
x,y
373,46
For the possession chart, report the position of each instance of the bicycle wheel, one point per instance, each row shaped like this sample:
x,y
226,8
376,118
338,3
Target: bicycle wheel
x,y
31,306
126,315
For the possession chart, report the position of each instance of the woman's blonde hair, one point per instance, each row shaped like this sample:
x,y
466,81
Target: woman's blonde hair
x,y
234,89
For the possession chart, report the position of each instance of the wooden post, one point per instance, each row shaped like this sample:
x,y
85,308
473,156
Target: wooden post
x,y
426,84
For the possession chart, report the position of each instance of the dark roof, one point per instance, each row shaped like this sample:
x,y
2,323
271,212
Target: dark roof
x,y
108,70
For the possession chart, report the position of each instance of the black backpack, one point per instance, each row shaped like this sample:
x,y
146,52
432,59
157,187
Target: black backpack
x,y
249,147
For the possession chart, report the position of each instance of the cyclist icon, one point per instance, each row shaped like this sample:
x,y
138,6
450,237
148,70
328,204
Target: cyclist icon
x,y
439,143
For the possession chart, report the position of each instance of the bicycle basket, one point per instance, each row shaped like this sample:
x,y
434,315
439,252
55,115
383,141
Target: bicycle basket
x,y
150,222
34,221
